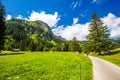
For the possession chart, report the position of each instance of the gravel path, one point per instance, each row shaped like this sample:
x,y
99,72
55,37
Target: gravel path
x,y
103,70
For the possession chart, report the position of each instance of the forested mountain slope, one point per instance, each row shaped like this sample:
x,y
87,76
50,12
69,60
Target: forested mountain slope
x,y
28,34
35,36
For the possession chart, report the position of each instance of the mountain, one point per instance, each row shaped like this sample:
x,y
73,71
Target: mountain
x,y
26,34
61,38
33,36
30,28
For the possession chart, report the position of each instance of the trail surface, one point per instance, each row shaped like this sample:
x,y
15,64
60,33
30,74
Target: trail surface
x,y
103,70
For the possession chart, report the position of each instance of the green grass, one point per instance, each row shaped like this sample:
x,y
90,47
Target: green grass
x,y
53,42
33,36
113,57
45,66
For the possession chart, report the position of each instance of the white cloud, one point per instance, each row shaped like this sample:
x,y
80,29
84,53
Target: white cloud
x,y
98,1
94,1
75,21
80,31
76,4
8,17
50,19
19,17
82,15
113,24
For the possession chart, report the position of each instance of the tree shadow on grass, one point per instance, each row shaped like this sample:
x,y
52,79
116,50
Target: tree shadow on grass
x,y
111,53
12,53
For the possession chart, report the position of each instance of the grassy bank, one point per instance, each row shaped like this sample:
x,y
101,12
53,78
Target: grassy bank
x,y
113,57
45,66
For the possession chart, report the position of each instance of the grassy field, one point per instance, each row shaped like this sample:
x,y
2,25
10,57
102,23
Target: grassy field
x,y
45,66
113,57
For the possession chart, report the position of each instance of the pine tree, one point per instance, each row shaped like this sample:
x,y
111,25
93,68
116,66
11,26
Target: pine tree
x,y
32,46
73,45
2,27
98,36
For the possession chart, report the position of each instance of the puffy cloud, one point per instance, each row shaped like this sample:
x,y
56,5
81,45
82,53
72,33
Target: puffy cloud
x,y
80,31
19,17
75,20
50,19
113,23
8,17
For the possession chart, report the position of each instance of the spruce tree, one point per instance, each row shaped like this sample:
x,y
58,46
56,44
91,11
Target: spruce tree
x,y
98,36
2,27
73,45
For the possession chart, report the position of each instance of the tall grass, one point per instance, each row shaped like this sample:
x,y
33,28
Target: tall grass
x,y
45,66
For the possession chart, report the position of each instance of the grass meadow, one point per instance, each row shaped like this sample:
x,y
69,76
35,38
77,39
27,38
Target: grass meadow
x,y
45,66
113,56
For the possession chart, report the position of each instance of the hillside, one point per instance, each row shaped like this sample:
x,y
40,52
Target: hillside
x,y
29,28
35,36
28,34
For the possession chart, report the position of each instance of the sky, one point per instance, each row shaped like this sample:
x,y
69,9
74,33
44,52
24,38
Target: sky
x,y
67,18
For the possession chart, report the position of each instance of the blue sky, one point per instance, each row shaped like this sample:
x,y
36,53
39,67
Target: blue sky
x,y
67,18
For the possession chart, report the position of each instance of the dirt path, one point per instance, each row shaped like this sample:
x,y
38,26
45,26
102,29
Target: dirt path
x,y
103,70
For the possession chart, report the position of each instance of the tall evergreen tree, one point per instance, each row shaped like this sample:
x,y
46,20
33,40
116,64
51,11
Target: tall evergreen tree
x,y
74,46
98,36
32,46
2,27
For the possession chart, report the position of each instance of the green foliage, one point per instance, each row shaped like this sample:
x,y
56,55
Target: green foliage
x,y
35,36
98,37
22,34
9,42
53,42
2,27
39,47
45,66
32,46
74,45
117,43
45,49
119,40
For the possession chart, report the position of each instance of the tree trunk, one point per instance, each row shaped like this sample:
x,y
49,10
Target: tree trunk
x,y
88,53
99,53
